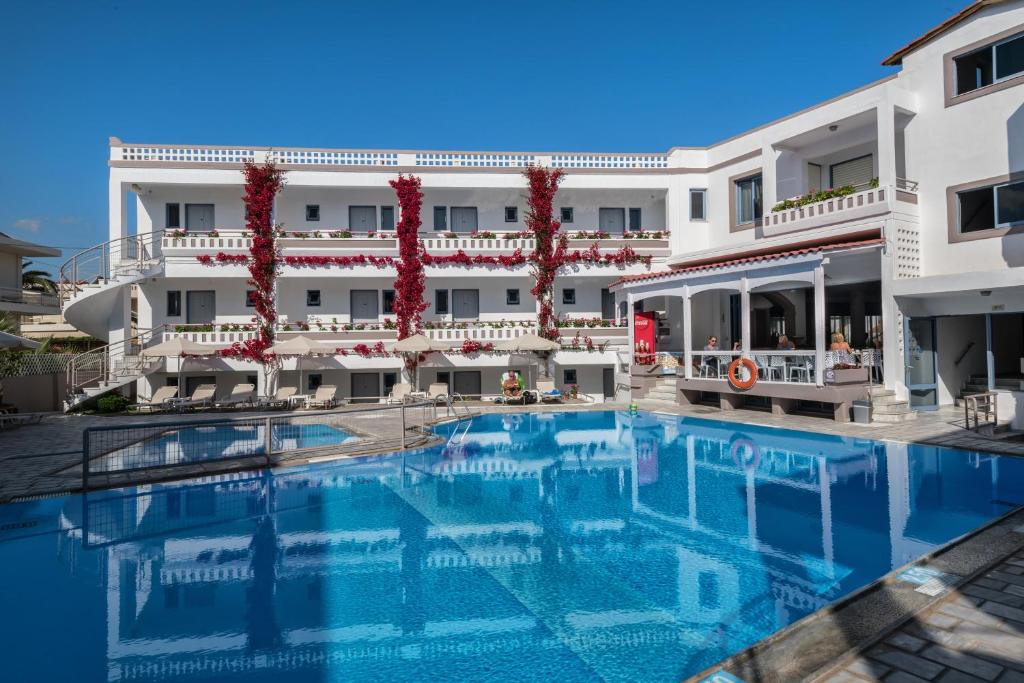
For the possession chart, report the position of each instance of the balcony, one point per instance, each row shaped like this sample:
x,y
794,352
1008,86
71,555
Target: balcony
x,y
862,205
28,301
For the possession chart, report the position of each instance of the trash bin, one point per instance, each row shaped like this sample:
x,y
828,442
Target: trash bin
x,y
862,412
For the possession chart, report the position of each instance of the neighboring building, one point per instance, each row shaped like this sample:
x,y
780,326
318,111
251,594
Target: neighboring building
x,y
921,260
14,299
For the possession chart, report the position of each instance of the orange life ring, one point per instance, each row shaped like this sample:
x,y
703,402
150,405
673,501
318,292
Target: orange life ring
x,y
734,374
749,446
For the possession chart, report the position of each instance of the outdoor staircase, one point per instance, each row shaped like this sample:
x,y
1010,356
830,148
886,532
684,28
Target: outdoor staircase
x,y
886,407
977,384
664,390
102,370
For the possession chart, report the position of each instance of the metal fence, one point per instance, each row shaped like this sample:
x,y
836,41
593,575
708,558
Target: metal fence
x,y
23,364
125,454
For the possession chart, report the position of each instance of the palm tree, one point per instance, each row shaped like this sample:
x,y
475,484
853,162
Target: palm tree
x,y
8,322
36,280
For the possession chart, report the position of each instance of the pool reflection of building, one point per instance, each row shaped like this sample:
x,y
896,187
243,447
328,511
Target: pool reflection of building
x,y
515,539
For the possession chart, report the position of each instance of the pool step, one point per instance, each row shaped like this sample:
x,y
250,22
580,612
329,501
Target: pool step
x,y
886,407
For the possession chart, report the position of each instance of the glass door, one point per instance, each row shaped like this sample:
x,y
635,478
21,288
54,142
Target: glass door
x,y
921,361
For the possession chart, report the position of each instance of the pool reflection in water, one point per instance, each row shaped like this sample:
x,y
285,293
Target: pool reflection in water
x,y
576,546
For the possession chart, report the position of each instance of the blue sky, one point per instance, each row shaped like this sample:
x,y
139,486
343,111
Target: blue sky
x,y
591,76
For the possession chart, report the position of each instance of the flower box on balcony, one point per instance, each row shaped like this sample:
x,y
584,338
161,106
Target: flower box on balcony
x,y
846,375
618,243
360,243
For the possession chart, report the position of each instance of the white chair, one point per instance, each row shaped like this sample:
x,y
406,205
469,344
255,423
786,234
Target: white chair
x,y
872,360
802,370
202,397
281,397
546,391
241,394
399,393
779,363
765,368
709,366
325,397
157,401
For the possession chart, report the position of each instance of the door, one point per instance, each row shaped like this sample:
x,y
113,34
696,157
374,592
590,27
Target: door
x,y
467,382
202,307
920,360
464,218
362,218
608,381
607,305
364,305
199,217
365,387
612,220
813,177
466,304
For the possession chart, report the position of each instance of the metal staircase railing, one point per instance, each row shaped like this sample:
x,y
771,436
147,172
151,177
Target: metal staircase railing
x,y
118,361
105,261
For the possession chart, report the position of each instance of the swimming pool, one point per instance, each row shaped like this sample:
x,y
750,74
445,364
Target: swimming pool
x,y
568,546
191,444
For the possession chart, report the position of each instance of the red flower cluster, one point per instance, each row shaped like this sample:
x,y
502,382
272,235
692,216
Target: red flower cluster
x,y
410,283
549,249
357,260
473,346
461,258
593,255
367,351
221,257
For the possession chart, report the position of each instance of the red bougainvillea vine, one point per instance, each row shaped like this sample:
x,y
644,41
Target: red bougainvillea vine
x,y
411,282
262,183
550,247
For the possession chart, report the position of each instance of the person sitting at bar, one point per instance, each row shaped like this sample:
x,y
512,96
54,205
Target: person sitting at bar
x,y
839,343
712,344
785,344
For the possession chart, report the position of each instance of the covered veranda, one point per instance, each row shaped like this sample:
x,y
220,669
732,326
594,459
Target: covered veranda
x,y
782,310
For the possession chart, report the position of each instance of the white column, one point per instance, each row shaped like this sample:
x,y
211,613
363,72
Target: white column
x,y
118,209
892,358
687,334
691,479
886,123
769,176
825,492
629,326
752,508
745,316
819,325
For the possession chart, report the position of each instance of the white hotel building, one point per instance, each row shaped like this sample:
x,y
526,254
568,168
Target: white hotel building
x,y
923,262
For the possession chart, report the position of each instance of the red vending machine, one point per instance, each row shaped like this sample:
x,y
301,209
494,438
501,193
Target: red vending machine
x,y
644,338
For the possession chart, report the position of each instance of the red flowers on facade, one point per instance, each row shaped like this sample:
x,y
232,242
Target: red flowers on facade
x,y
411,282
549,247
473,346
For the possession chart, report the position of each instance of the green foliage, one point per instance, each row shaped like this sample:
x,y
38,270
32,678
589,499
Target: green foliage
x,y
814,197
115,403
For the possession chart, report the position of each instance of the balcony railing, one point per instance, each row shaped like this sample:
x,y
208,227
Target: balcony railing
x,y
863,204
28,297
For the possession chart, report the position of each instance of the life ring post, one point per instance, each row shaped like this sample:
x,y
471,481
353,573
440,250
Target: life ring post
x,y
735,380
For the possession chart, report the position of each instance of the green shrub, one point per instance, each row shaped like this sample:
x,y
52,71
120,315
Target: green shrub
x,y
115,403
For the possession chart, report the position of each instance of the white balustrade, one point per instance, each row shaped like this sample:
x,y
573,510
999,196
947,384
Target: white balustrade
x,y
437,244
211,337
866,203
233,240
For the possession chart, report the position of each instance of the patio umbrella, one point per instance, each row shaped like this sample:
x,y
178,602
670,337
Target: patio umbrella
x,y
301,346
15,343
527,343
417,344
177,348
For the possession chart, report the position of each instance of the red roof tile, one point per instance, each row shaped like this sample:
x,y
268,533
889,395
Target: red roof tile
x,y
756,258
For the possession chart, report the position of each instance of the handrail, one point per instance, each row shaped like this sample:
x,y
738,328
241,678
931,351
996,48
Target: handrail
x,y
967,349
105,261
100,364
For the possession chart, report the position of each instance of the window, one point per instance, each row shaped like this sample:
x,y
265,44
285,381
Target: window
x,y
444,377
314,380
387,218
441,301
990,64
511,297
173,213
748,200
312,297
440,218
389,301
464,218
511,214
698,205
985,208
569,376
312,212
250,298
390,380
174,303
567,214
252,379
634,220
569,296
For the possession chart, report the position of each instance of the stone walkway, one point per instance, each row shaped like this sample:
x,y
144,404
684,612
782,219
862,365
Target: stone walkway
x,y
973,635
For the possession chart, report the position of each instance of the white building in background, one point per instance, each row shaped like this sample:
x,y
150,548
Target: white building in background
x,y
921,262
15,300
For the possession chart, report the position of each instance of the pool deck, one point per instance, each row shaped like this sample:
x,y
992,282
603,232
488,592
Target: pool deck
x,y
972,630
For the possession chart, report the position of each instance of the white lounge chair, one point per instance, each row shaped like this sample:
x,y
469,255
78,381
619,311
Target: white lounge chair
x,y
400,393
324,397
202,397
281,397
158,401
12,420
547,391
241,394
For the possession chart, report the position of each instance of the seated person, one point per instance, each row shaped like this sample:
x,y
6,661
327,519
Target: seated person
x,y
712,344
839,343
510,385
785,344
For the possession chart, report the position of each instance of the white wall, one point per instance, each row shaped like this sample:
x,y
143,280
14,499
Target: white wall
x,y
954,334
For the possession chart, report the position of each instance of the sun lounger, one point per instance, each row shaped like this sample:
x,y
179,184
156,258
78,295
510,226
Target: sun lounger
x,y
241,394
202,397
400,393
280,398
547,392
12,420
324,397
156,402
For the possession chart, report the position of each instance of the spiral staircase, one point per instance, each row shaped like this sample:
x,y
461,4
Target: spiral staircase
x,y
91,284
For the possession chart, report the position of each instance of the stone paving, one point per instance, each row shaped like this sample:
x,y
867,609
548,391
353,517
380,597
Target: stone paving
x,y
973,635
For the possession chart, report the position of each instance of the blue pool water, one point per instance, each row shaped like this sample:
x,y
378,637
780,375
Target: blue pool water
x,y
570,547
215,442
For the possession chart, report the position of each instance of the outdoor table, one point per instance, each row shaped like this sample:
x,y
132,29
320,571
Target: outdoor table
x,y
297,398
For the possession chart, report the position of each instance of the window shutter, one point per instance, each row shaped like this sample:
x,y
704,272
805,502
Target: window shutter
x,y
853,172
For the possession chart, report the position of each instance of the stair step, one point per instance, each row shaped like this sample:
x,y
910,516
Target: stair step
x,y
896,408
895,418
881,391
886,399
